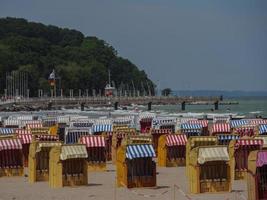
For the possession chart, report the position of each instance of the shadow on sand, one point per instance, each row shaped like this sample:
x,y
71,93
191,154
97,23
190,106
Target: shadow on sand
x,y
94,184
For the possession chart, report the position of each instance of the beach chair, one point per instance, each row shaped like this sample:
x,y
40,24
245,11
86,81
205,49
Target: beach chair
x,y
171,150
39,160
68,166
96,150
210,170
239,150
257,175
136,168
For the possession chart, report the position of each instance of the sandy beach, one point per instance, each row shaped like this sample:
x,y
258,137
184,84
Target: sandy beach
x,y
101,186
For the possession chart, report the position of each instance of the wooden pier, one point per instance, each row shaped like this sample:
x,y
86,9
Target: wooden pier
x,y
43,103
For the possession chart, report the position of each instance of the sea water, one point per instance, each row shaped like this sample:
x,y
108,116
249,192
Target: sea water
x,y
247,106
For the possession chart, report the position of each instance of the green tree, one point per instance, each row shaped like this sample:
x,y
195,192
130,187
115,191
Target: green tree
x,y
81,62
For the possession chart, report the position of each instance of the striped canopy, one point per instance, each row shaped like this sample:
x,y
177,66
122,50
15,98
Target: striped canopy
x,y
11,122
25,138
263,129
206,154
121,134
34,125
224,137
221,128
140,151
72,135
245,131
25,122
46,137
238,123
248,142
22,131
161,131
6,131
257,121
8,144
102,121
81,124
102,128
140,138
203,123
25,117
73,151
63,119
163,121
123,120
146,120
176,140
202,139
49,121
186,120
50,116
78,118
146,116
47,144
93,141
191,129
190,126
221,119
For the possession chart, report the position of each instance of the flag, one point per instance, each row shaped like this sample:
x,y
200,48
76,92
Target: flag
x,y
52,78
52,75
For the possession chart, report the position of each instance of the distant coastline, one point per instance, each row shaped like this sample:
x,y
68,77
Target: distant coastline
x,y
224,93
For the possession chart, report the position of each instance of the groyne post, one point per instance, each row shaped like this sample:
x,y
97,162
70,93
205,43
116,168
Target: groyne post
x,y
49,105
149,106
216,105
82,106
116,105
183,105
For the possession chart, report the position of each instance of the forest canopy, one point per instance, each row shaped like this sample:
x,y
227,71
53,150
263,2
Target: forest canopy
x,y
80,62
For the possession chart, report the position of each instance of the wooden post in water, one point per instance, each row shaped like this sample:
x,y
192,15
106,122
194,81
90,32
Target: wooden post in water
x,y
82,106
116,105
49,105
149,105
216,105
183,105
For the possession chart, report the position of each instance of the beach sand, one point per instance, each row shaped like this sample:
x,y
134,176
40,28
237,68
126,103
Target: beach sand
x,y
101,187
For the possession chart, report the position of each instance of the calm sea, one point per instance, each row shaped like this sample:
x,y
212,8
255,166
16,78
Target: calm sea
x,y
248,106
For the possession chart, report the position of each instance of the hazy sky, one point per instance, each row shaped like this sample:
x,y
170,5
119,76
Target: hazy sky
x,y
180,44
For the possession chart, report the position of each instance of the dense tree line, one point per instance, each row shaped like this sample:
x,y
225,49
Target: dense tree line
x,y
81,62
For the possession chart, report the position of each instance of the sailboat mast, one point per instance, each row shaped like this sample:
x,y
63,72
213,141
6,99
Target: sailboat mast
x,y
109,77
